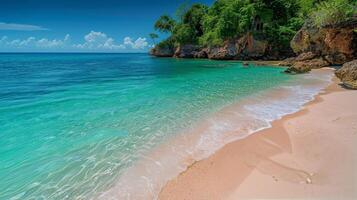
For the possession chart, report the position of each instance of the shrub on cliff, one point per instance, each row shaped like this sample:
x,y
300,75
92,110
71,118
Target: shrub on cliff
x,y
331,12
168,43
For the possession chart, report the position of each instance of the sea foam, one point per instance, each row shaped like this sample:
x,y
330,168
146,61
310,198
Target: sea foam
x,y
146,178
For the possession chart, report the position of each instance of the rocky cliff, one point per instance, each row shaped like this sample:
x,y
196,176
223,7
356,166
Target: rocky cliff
x,y
318,47
162,51
313,47
246,47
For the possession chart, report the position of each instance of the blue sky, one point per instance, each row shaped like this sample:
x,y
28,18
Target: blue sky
x,y
81,25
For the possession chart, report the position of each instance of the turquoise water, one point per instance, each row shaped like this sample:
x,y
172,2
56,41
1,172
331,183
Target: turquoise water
x,y
70,124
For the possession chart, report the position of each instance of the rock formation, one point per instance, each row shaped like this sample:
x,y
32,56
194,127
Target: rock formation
x,y
320,47
348,74
162,51
337,43
244,48
186,51
315,48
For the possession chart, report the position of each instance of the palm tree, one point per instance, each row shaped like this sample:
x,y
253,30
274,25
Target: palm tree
x,y
153,36
165,24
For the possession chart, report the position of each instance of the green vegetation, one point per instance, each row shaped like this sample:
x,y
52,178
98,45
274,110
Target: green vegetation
x,y
165,24
333,11
153,36
276,21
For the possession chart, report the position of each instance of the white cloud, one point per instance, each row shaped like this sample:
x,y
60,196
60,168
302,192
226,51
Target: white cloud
x,y
28,41
98,40
93,41
139,43
21,27
46,43
3,39
14,42
31,42
128,41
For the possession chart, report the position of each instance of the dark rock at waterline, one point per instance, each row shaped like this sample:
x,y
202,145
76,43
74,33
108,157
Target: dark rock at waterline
x,y
246,47
306,66
186,51
226,52
201,54
165,51
348,74
287,62
305,56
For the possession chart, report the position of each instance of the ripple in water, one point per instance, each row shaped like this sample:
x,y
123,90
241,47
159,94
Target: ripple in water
x,y
88,126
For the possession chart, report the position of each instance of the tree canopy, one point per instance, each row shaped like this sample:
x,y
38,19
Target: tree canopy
x,y
274,20
165,24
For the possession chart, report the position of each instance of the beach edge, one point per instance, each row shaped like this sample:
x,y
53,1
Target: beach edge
x,y
279,166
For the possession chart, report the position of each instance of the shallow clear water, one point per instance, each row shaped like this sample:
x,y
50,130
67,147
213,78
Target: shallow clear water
x,y
71,124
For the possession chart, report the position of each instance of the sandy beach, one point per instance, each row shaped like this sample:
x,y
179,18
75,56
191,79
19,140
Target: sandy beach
x,y
311,154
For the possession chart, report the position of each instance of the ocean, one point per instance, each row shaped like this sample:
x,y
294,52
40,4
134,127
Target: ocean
x,y
102,126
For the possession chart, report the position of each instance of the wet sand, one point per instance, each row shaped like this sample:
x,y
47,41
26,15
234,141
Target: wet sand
x,y
311,154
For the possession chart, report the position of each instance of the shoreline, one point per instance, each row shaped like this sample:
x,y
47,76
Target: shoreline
x,y
282,161
233,122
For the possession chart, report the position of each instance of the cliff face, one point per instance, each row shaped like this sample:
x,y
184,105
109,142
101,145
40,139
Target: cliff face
x,y
243,48
165,51
314,47
337,43
319,47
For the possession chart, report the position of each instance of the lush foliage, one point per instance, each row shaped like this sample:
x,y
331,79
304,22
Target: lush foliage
x,y
153,36
274,20
165,24
333,11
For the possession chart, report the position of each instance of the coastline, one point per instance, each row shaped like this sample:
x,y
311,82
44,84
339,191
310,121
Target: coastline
x,y
298,157
233,122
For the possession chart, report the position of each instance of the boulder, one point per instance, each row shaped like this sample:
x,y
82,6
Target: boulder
x,y
247,47
244,48
336,59
287,62
348,74
201,54
306,66
226,52
306,56
336,43
186,51
164,51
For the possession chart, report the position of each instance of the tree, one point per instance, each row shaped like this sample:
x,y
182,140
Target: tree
x,y
184,34
153,36
165,24
226,19
194,18
276,21
181,10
